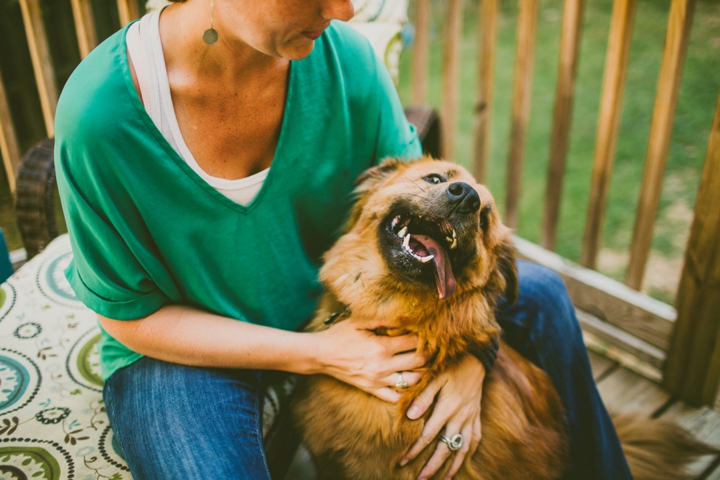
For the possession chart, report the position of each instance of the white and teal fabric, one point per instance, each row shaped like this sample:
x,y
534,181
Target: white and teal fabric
x,y
53,424
382,21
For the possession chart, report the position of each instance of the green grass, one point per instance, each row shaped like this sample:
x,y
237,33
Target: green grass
x,y
696,106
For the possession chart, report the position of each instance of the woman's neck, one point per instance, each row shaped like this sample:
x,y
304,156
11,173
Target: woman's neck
x,y
229,60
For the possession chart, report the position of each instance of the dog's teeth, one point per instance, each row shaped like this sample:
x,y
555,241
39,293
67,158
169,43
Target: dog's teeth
x,y
448,239
402,232
406,242
427,259
454,240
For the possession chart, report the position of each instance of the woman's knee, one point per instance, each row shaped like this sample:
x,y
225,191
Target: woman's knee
x,y
170,419
543,290
543,310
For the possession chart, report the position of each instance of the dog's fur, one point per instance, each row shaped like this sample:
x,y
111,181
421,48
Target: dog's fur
x,y
353,435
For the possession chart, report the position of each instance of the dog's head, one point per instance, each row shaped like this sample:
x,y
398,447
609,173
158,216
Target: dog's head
x,y
434,227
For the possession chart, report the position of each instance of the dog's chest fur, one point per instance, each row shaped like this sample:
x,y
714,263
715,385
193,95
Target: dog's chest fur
x,y
354,435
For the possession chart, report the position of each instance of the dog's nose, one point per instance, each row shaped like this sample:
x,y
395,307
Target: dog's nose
x,y
464,196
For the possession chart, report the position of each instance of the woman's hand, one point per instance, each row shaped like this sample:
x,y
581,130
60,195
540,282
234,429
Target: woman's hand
x,y
351,352
457,410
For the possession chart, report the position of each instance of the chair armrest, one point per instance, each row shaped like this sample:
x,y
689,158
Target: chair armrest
x,y
35,202
427,123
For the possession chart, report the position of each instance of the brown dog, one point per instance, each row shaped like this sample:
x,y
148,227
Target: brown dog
x,y
436,210
426,251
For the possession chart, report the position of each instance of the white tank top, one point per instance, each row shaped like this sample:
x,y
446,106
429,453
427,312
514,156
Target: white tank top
x,y
145,51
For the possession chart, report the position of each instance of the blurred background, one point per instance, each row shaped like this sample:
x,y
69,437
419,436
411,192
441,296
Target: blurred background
x,y
19,80
693,120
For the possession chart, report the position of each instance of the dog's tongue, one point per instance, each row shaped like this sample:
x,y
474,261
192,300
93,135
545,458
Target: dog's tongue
x,y
444,277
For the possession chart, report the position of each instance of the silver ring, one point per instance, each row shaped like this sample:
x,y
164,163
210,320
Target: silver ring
x,y
401,384
453,443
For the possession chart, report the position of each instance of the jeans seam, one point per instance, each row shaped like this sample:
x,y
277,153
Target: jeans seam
x,y
112,408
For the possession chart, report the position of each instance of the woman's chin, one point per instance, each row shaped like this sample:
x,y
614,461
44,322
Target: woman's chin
x,y
297,49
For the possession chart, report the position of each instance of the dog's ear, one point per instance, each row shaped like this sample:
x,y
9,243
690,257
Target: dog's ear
x,y
507,268
375,175
365,184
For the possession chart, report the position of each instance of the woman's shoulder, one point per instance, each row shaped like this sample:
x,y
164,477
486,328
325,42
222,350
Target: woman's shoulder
x,y
349,47
96,92
344,36
344,61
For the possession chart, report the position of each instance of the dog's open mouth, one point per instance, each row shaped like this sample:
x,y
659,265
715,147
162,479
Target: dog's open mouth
x,y
425,240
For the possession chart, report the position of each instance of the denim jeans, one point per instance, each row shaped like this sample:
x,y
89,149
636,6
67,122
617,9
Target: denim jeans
x,y
174,421
542,326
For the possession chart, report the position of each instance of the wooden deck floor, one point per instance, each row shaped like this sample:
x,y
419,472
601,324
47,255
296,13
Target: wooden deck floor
x,y
622,391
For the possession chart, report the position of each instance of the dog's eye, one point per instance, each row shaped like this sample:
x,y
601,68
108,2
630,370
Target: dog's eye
x,y
434,178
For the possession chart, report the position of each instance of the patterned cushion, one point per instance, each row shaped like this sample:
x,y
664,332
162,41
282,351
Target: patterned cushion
x,y
53,423
382,21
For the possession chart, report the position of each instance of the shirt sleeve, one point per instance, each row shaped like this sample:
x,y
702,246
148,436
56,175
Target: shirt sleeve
x,y
109,242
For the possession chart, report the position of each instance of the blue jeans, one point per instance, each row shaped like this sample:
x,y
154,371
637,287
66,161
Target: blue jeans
x,y
543,328
174,421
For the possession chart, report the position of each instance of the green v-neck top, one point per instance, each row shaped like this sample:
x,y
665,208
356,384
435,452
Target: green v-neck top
x,y
147,231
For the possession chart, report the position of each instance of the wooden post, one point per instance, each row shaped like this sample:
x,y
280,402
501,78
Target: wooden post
x,y
525,56
84,26
564,96
676,42
692,370
128,11
451,66
8,140
487,39
608,122
420,53
41,61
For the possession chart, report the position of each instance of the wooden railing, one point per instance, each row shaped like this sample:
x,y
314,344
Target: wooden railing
x,y
43,70
680,347
671,342
9,148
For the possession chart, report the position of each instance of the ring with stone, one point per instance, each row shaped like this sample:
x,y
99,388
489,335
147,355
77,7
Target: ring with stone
x,y
400,383
453,443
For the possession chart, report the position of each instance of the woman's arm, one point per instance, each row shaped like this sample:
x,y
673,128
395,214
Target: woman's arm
x,y
348,351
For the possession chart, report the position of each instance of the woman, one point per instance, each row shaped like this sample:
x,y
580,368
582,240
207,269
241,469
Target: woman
x,y
205,158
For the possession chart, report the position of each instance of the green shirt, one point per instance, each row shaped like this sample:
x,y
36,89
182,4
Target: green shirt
x,y
146,230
